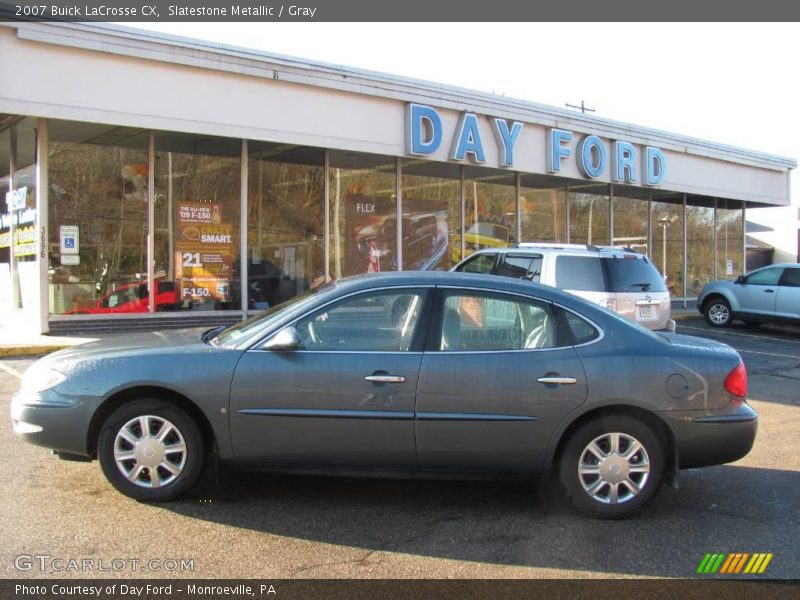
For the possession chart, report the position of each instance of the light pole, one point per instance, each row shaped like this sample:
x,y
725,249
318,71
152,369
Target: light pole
x,y
665,221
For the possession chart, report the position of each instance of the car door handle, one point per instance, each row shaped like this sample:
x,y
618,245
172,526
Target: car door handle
x,y
769,291
557,380
385,378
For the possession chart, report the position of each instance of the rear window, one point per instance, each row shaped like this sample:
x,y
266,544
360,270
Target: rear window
x,y
580,274
633,274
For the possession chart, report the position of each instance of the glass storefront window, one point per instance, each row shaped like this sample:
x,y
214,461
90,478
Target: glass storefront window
x,y
699,244
588,214
631,214
542,209
490,210
197,214
285,222
431,214
6,292
667,231
730,231
363,213
97,218
23,148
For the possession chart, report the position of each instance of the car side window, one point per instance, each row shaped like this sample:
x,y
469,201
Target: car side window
x,y
521,267
580,274
378,321
791,278
481,263
764,277
582,331
474,322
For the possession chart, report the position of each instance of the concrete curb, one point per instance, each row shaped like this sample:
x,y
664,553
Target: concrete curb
x,y
9,351
687,317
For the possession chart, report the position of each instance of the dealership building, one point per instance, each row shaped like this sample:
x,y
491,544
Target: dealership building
x,y
148,177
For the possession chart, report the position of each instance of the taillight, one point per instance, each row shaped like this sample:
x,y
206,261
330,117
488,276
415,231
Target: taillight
x,y
736,381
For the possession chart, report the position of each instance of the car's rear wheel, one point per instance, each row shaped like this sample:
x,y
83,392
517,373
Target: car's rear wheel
x,y
612,466
151,450
718,312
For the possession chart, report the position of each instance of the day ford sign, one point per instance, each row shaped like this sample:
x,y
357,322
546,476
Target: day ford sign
x,y
628,163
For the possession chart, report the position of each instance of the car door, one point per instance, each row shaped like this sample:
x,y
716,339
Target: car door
x,y
758,291
345,396
787,303
496,379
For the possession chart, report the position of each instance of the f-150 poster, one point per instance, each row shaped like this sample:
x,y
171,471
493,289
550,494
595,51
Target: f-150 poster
x,y
204,252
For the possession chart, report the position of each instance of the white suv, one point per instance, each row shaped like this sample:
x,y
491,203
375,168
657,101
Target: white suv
x,y
615,277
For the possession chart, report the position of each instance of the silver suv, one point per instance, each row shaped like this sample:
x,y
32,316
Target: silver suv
x,y
768,294
614,277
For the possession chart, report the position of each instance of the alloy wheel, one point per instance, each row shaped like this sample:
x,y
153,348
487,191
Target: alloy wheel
x,y
719,314
613,468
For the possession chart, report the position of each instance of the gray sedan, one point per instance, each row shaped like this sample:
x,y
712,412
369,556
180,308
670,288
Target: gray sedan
x,y
406,373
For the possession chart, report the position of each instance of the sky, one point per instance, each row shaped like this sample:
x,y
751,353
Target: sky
x,y
732,83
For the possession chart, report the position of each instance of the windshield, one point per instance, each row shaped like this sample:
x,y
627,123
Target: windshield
x,y
241,332
633,274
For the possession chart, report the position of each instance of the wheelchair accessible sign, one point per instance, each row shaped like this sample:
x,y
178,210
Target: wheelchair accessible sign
x,y
70,245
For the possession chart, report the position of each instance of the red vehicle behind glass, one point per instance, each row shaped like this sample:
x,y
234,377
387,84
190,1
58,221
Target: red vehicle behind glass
x,y
133,298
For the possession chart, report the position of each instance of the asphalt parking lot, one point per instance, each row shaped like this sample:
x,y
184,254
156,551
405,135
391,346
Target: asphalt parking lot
x,y
267,526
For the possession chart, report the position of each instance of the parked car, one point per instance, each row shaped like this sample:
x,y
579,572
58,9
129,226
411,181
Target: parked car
x,y
415,372
614,277
767,295
133,298
479,236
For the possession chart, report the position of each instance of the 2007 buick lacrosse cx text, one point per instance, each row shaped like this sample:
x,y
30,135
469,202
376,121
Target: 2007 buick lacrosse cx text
x,y
402,374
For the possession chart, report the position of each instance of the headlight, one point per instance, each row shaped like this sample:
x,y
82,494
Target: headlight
x,y
36,380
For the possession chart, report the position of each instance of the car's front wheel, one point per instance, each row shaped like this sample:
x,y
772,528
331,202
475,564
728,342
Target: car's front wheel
x,y
151,450
612,466
718,312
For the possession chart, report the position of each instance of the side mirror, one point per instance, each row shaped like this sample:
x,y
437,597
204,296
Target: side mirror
x,y
739,279
285,340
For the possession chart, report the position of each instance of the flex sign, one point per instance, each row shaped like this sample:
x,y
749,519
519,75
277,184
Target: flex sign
x,y
628,164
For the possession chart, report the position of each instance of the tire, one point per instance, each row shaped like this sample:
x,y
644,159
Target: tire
x,y
176,463
717,312
593,494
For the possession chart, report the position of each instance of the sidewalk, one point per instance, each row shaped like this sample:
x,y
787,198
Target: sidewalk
x,y
14,342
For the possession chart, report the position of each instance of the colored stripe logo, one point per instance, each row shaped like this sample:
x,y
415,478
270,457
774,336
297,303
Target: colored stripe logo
x,y
735,563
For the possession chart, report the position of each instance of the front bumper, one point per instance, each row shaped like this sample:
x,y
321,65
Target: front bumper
x,y
704,438
53,421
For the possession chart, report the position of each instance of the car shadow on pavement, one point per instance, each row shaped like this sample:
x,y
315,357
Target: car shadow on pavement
x,y
718,509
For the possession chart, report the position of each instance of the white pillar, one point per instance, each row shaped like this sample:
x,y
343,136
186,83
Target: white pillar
x,y
42,226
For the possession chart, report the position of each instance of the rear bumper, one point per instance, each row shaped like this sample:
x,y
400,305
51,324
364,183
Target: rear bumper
x,y
704,438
